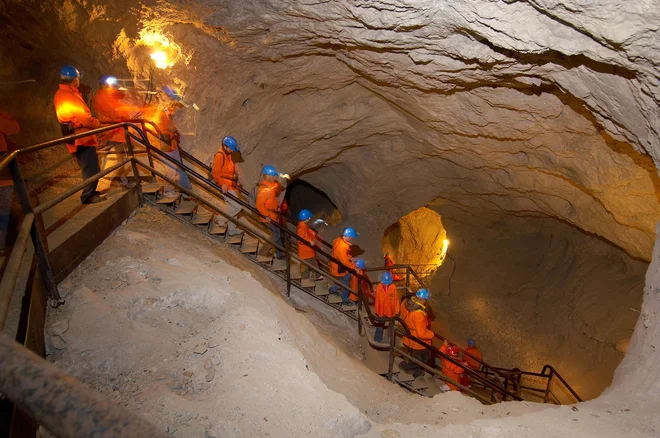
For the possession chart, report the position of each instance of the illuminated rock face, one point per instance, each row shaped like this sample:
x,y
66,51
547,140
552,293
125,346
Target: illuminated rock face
x,y
543,108
417,239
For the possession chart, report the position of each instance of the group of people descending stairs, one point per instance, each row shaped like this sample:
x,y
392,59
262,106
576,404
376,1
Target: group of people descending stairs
x,y
109,104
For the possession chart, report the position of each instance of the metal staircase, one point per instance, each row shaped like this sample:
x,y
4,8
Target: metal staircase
x,y
490,384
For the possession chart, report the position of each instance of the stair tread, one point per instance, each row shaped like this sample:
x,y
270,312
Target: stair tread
x,y
405,377
264,259
249,245
279,265
151,188
185,207
420,383
201,219
334,299
235,239
321,291
308,282
217,229
169,199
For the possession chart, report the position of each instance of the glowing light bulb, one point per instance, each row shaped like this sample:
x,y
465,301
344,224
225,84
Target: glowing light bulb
x,y
446,242
160,59
111,80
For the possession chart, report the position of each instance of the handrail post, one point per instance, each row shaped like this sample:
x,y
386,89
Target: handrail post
x,y
45,268
392,334
285,243
359,291
547,388
407,278
149,155
136,173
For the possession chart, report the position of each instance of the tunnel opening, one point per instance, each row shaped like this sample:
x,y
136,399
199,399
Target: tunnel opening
x,y
302,195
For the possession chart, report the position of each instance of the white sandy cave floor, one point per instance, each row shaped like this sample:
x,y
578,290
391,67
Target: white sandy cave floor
x,y
187,334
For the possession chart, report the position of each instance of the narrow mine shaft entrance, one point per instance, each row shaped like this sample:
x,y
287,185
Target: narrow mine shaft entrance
x,y
302,195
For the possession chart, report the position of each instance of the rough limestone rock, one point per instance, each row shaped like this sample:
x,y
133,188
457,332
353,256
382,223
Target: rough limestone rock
x,y
533,109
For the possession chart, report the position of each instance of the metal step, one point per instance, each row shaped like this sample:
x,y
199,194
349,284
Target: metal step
x,y
185,207
347,308
201,218
279,265
264,259
249,245
420,383
217,229
334,299
404,377
308,283
151,188
235,239
295,271
321,291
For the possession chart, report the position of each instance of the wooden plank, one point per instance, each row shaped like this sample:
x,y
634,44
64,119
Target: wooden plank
x,y
321,291
334,299
202,219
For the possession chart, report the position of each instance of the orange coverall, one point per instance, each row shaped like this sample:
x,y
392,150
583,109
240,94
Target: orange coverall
x,y
418,323
304,232
70,107
8,126
340,251
224,171
267,203
108,107
390,262
451,370
387,302
474,351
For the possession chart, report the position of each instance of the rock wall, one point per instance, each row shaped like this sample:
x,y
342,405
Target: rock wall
x,y
532,109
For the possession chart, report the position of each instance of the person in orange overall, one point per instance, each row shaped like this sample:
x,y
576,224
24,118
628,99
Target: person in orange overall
x,y
75,118
415,317
366,288
224,174
109,106
168,139
305,252
8,126
451,370
390,262
341,248
472,363
387,303
268,205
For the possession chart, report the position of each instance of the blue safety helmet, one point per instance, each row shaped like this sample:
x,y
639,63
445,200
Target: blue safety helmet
x,y
472,342
270,171
350,232
423,293
69,72
386,278
171,93
108,80
304,215
231,143
360,263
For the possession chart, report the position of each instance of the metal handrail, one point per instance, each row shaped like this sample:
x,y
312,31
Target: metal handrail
x,y
362,298
246,205
206,167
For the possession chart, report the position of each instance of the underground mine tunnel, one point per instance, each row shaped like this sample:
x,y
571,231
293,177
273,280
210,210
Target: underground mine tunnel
x,y
503,154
